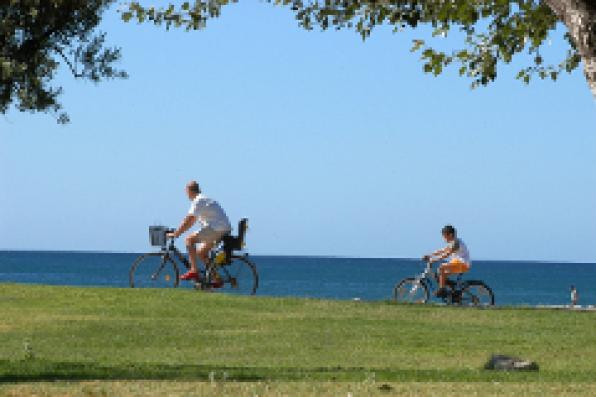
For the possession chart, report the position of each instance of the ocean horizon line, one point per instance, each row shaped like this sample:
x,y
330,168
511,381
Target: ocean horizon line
x,y
290,256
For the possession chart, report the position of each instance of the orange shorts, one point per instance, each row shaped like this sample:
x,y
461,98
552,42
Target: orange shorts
x,y
454,266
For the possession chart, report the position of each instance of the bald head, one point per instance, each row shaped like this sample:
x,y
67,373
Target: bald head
x,y
192,189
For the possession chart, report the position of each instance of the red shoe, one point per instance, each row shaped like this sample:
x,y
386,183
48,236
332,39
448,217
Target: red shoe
x,y
190,275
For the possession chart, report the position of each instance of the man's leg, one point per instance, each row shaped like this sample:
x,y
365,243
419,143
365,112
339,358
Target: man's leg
x,y
203,252
206,238
192,274
191,241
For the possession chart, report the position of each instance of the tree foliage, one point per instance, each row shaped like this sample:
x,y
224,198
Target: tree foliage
x,y
493,30
36,37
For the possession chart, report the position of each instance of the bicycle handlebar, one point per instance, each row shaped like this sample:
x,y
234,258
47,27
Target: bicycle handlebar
x,y
169,230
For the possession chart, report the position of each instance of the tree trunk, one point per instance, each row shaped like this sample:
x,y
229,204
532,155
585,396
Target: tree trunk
x,y
580,18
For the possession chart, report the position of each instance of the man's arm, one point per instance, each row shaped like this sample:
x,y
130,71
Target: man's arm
x,y
187,222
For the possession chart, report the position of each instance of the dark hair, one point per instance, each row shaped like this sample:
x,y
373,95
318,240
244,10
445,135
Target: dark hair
x,y
448,229
193,186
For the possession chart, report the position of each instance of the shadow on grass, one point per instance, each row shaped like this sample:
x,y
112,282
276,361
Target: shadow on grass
x,y
40,370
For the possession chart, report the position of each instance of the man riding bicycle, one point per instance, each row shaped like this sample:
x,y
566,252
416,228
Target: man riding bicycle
x,y
458,253
214,226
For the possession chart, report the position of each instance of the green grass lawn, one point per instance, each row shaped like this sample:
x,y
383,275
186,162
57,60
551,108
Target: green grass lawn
x,y
125,337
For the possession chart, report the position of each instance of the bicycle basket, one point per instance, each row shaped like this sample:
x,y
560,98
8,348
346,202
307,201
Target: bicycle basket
x,y
157,236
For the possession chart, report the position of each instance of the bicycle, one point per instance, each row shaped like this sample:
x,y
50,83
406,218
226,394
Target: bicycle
x,y
459,292
227,271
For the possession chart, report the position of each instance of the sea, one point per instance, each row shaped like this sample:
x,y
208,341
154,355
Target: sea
x,y
513,282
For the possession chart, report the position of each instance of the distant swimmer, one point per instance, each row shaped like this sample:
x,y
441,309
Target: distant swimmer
x,y
214,226
458,254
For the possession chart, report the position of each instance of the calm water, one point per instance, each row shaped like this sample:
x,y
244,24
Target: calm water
x,y
514,283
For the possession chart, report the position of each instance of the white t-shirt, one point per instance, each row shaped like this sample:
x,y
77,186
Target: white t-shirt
x,y
209,213
460,251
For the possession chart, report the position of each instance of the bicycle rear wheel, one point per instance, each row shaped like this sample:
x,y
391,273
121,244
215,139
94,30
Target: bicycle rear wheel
x,y
154,270
410,290
239,276
476,293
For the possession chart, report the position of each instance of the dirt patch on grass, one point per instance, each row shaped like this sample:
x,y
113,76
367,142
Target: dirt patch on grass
x,y
173,388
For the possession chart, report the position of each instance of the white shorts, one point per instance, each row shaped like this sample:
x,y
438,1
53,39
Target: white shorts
x,y
209,236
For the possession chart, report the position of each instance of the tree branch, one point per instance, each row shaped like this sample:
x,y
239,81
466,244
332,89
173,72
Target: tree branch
x,y
580,18
68,62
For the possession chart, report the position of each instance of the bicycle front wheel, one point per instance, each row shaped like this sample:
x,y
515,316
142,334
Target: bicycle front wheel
x,y
239,276
155,270
410,290
476,293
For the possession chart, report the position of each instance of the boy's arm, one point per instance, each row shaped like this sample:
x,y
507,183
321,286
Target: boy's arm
x,y
445,252
442,253
430,257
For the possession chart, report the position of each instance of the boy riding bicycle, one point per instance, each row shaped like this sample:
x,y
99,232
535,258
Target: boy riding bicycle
x,y
458,253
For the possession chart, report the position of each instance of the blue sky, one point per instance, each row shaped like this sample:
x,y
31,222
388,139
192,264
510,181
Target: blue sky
x,y
330,146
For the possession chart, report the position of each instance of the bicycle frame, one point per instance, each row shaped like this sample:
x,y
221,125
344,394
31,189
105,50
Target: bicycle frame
x,y
172,252
172,249
428,276
431,279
